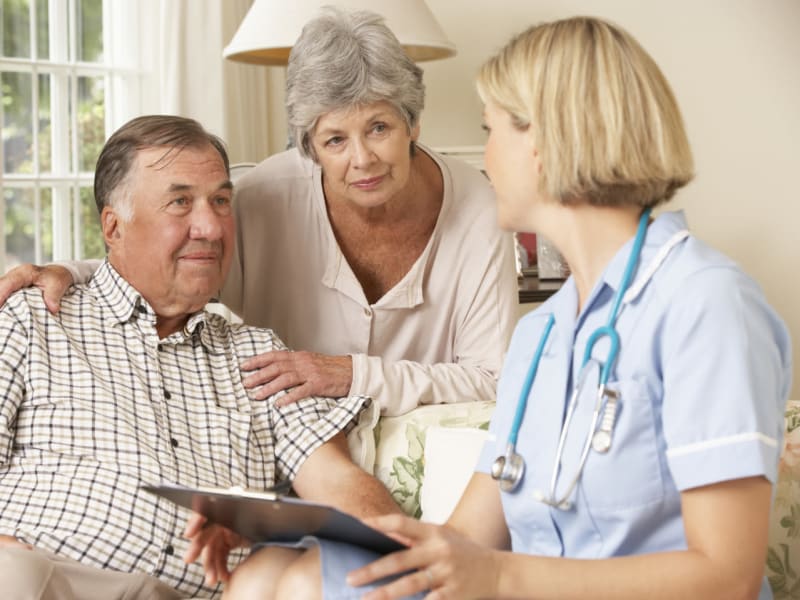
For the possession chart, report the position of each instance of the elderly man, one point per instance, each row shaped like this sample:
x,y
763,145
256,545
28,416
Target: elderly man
x,y
133,383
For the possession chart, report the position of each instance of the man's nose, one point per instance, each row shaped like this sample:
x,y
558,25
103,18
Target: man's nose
x,y
206,222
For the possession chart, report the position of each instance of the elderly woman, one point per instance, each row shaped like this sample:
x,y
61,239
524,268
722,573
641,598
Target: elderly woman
x,y
379,259
636,438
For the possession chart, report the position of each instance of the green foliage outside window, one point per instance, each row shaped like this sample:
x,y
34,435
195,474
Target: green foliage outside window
x,y
17,130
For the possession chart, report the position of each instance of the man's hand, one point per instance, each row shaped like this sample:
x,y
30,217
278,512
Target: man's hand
x,y
301,374
8,541
53,280
213,543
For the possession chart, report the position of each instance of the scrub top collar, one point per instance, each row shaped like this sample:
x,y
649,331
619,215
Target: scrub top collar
x,y
660,232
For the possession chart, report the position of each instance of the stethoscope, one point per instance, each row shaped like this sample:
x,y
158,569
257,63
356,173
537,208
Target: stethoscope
x,y
508,469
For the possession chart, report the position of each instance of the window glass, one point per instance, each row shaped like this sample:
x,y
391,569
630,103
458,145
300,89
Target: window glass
x,y
42,29
89,233
45,129
45,249
19,225
90,31
16,28
17,122
91,121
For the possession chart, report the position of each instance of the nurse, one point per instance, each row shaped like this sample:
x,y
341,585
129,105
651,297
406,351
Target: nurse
x,y
637,433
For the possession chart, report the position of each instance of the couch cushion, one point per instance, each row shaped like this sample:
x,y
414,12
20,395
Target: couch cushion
x,y
783,556
400,443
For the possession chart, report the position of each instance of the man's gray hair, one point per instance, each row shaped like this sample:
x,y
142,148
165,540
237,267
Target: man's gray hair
x,y
345,59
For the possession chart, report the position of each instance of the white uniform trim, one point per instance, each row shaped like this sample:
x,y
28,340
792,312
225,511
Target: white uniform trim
x,y
723,441
662,253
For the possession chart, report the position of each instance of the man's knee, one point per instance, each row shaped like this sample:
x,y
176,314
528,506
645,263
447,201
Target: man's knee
x,y
257,577
302,579
26,574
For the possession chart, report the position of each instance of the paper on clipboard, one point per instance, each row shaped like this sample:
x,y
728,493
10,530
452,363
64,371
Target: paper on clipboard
x,y
269,517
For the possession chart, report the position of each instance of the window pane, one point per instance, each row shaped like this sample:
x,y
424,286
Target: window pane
x,y
17,123
42,29
91,120
46,225
16,28
45,130
90,234
90,30
20,230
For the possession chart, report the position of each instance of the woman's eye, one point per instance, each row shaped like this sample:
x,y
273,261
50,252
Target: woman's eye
x,y
334,141
379,127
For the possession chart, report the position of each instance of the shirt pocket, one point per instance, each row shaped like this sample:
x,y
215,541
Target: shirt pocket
x,y
221,433
629,475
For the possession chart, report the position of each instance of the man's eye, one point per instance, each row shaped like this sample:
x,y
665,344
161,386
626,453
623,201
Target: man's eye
x,y
182,201
222,200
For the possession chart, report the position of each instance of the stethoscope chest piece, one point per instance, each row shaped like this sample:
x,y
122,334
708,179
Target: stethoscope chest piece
x,y
508,470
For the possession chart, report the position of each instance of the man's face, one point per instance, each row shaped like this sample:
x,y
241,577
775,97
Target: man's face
x,y
177,246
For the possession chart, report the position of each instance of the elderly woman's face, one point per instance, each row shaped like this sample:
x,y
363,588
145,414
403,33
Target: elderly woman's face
x,y
364,153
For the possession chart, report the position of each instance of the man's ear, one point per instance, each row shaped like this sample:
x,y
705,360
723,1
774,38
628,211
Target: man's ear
x,y
110,224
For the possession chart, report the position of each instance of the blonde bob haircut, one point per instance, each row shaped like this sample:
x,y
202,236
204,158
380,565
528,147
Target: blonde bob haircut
x,y
602,115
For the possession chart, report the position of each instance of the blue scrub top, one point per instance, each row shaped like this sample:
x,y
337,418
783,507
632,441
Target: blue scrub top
x,y
703,373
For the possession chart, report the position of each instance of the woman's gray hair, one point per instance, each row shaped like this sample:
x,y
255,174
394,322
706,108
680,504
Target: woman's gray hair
x,y
345,59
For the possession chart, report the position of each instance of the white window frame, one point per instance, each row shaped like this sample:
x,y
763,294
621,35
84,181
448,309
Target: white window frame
x,y
122,71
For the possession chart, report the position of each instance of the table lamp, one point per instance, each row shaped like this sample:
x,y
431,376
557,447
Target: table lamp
x,y
271,27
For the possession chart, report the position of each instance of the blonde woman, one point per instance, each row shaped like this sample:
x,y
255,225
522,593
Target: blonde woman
x,y
655,481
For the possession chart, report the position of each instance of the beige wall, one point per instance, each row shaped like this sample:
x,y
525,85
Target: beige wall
x,y
735,68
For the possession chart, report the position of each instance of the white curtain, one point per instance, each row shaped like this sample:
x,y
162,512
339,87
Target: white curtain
x,y
185,73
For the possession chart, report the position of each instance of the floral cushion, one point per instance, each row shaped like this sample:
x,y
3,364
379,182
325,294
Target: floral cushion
x,y
783,556
400,444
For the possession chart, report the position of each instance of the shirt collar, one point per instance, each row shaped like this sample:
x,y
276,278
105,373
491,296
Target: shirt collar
x,y
659,233
408,292
122,302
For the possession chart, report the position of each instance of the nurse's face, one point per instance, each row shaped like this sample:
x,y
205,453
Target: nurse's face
x,y
513,166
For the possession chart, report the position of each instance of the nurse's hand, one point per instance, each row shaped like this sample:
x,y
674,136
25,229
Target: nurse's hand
x,y
301,374
443,561
53,280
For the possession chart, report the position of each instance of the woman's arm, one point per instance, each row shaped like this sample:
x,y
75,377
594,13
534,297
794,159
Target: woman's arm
x,y
726,530
53,279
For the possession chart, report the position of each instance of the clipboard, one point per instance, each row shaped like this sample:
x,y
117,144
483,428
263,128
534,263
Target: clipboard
x,y
270,517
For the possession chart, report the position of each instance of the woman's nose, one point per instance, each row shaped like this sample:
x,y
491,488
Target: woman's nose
x,y
362,153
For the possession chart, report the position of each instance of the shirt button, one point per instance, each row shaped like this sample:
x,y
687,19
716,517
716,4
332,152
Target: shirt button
x,y
174,442
367,312
141,309
167,395
169,550
161,347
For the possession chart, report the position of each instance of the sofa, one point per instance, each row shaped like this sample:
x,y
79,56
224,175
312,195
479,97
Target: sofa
x,y
425,458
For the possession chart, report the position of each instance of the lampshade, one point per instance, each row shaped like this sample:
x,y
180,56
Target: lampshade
x,y
271,27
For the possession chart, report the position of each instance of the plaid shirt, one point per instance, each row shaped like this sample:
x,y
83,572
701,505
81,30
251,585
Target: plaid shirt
x,y
93,404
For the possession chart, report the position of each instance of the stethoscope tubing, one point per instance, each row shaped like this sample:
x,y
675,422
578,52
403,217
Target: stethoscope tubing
x,y
511,478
